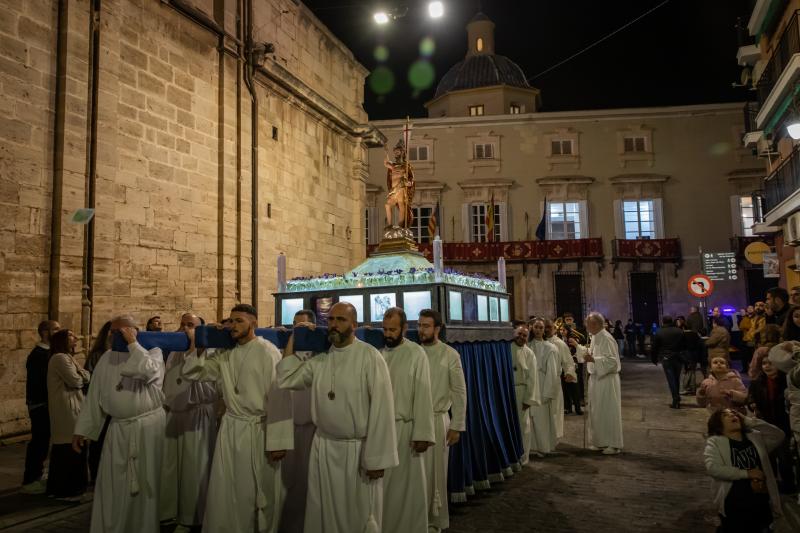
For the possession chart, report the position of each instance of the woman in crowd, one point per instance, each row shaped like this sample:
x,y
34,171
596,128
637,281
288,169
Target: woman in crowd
x,y
65,381
791,328
719,341
771,336
737,459
101,344
619,336
766,398
722,389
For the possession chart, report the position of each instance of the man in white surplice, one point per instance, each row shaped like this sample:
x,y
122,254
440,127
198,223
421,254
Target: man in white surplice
x,y
295,464
526,384
127,387
353,409
567,365
448,390
405,487
245,492
605,393
544,415
190,437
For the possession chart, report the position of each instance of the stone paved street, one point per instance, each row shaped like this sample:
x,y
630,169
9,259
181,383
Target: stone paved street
x,y
656,485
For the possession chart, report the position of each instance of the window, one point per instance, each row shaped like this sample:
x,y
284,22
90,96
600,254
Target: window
x,y
561,147
515,109
422,215
476,110
479,44
483,151
634,144
418,153
564,220
478,223
747,212
638,216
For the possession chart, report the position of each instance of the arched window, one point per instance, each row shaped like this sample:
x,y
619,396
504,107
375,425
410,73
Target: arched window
x,y
479,44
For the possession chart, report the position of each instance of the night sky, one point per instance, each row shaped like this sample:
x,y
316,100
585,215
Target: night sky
x,y
682,53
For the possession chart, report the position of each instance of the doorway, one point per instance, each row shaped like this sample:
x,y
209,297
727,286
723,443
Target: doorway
x,y
569,294
645,298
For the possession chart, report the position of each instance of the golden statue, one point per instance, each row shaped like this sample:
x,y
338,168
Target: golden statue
x,y
400,184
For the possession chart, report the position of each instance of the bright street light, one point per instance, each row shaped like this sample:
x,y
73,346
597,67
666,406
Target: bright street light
x,y
381,17
436,10
794,130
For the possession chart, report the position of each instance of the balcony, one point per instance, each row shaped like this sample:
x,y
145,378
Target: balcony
x,y
646,251
751,133
778,79
561,251
782,190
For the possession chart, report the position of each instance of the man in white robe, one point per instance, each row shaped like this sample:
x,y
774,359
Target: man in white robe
x,y
544,415
191,433
245,492
405,487
567,372
605,393
127,387
449,391
526,384
295,465
353,410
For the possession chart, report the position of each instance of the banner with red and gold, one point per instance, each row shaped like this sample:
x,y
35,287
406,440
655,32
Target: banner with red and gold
x,y
647,249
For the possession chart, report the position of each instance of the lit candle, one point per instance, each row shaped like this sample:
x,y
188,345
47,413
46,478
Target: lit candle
x,y
281,272
501,271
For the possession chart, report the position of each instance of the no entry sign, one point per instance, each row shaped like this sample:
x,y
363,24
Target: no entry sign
x,y
700,286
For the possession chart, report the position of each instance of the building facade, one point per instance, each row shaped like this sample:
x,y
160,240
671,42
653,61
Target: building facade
x,y
155,113
770,58
626,197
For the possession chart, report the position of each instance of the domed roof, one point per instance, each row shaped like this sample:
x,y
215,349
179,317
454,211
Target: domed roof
x,y
482,71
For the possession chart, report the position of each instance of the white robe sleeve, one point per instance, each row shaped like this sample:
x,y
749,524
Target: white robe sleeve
x,y
294,373
423,430
380,448
606,358
458,392
280,423
551,387
534,392
567,363
92,417
201,367
143,365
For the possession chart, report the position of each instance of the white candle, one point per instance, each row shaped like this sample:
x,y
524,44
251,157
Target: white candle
x,y
501,271
281,272
438,264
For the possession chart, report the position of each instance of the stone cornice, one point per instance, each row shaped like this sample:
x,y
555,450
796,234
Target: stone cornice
x,y
621,179
477,183
565,180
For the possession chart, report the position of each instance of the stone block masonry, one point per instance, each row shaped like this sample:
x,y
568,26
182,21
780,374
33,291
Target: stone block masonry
x,y
169,167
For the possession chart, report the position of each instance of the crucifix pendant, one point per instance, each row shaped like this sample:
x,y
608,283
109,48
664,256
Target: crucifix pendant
x,y
331,395
236,389
179,381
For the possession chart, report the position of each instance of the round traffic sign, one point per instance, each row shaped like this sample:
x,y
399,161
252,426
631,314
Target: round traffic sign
x,y
700,286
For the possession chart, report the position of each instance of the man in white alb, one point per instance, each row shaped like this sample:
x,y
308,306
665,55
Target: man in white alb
x,y
526,384
449,392
245,492
353,410
543,416
191,433
605,393
405,487
127,387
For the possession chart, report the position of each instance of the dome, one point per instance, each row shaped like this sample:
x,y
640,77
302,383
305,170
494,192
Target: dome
x,y
482,71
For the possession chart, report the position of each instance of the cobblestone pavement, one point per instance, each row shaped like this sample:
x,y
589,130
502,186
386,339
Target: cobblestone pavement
x,y
657,485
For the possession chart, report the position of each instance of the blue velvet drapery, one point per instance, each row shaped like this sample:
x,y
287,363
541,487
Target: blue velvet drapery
x,y
491,447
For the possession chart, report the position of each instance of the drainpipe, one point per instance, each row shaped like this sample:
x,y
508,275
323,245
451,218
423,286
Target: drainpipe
x,y
239,74
58,161
248,79
91,172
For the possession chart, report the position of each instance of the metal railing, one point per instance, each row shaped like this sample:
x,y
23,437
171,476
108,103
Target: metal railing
x,y
784,181
751,110
787,46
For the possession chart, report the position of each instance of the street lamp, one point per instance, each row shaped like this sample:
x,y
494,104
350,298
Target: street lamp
x,y
436,10
381,17
384,16
794,129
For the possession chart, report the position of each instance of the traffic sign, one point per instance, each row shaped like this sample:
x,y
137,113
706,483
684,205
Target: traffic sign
x,y
720,266
700,286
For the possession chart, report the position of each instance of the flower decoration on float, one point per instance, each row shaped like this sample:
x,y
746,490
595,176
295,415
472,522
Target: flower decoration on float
x,y
384,278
